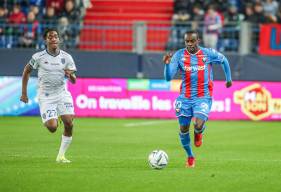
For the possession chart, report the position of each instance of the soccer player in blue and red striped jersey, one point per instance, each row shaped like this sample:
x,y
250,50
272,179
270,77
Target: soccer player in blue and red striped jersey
x,y
195,99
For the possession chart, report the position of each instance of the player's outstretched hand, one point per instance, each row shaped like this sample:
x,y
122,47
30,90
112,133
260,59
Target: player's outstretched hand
x,y
68,72
24,98
167,58
228,84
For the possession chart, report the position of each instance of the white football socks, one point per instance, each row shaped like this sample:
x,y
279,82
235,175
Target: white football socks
x,y
65,142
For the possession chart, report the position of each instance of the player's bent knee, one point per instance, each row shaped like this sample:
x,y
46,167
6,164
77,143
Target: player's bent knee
x,y
199,126
51,126
68,124
52,129
184,129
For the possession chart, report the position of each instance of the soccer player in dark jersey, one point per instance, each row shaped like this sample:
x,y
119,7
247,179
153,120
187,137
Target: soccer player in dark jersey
x,y
195,99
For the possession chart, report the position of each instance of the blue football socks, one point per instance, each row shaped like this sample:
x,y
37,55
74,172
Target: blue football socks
x,y
185,141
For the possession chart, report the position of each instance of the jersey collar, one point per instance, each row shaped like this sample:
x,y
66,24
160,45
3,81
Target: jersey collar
x,y
199,49
52,54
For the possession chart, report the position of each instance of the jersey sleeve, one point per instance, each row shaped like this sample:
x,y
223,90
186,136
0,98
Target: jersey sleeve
x,y
218,58
70,65
33,62
215,56
172,68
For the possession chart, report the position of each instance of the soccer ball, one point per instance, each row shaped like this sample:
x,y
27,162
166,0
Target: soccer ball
x,y
158,159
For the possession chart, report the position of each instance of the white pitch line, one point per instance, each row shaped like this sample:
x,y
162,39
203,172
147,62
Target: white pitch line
x,y
146,123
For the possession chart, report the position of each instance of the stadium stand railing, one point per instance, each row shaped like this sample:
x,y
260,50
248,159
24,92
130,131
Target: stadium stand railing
x,y
121,36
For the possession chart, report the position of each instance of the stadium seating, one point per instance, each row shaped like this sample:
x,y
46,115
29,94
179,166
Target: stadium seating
x,y
108,25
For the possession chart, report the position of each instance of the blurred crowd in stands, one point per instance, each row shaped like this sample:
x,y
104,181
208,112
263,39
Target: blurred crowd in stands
x,y
22,22
220,18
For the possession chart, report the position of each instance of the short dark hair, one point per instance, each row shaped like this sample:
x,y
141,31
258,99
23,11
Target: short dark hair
x,y
192,31
49,30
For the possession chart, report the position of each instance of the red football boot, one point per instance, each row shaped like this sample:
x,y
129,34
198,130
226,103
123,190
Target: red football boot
x,y
190,162
198,137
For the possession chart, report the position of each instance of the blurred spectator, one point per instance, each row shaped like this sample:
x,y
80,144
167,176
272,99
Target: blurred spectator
x,y
232,22
49,19
259,16
57,4
233,18
270,7
197,16
82,5
221,6
67,32
17,16
237,3
181,10
249,13
71,12
15,20
276,18
30,31
212,27
180,24
36,10
278,15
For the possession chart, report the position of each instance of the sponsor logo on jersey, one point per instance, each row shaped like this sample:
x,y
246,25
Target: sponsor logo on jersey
x,y
194,68
55,64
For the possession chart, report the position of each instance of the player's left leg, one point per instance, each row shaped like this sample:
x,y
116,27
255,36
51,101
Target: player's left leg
x,y
66,111
66,138
199,127
202,108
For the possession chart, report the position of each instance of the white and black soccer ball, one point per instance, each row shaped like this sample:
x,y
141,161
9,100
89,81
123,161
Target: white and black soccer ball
x,y
158,159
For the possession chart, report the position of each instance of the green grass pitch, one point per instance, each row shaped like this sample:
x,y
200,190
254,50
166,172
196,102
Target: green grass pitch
x,y
111,155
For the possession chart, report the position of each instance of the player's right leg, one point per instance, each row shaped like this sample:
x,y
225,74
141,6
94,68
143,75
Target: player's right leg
x,y
184,114
185,139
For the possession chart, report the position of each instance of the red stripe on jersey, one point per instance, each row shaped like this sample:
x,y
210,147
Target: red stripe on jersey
x,y
210,82
187,62
278,36
181,84
200,72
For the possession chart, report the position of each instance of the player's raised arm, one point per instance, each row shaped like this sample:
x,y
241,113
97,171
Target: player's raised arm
x,y
171,66
25,77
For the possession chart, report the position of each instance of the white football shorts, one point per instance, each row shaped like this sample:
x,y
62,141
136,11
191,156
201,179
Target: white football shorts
x,y
53,106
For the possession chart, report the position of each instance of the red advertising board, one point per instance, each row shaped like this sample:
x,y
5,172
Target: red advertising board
x,y
270,40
